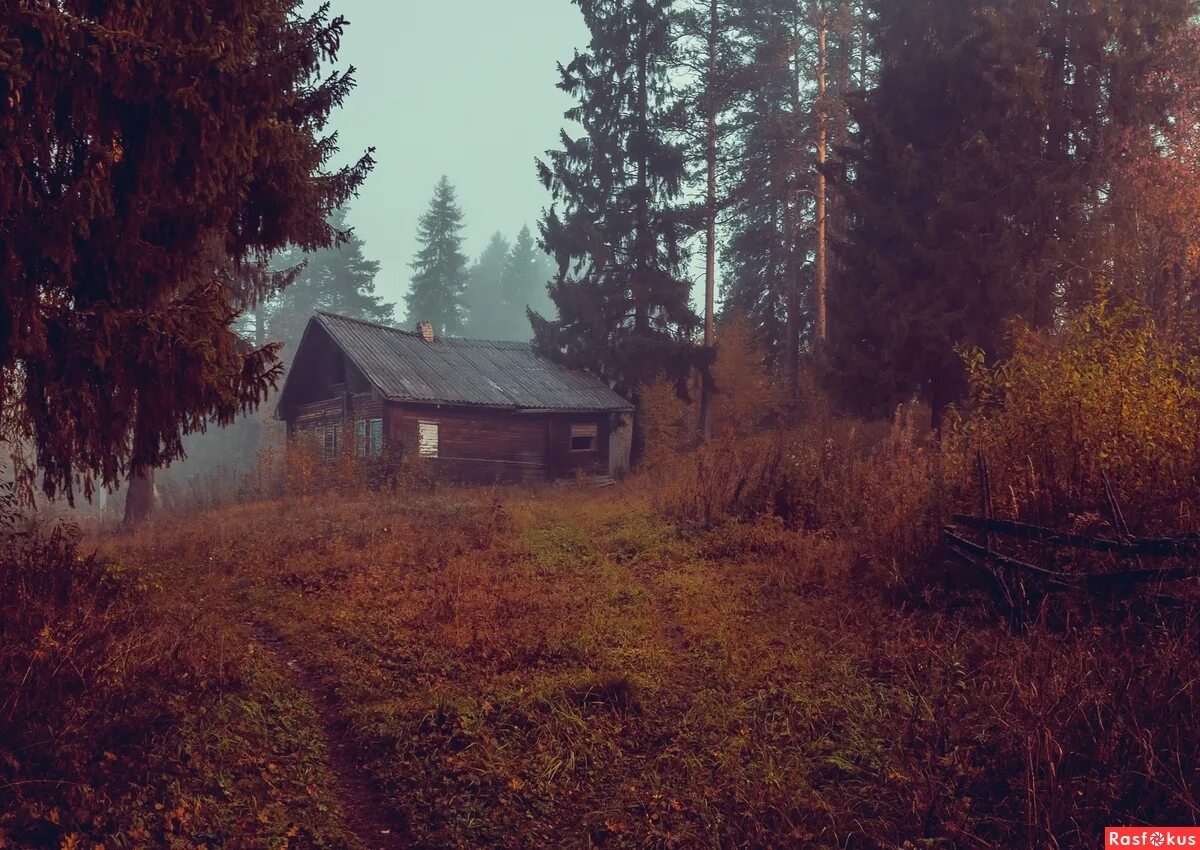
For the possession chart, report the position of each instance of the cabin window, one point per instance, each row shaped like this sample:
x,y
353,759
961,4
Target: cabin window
x,y
583,438
427,442
369,434
332,442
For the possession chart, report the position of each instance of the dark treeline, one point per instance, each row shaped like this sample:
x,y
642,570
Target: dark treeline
x,y
885,183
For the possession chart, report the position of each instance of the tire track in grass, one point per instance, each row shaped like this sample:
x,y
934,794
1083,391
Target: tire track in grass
x,y
367,814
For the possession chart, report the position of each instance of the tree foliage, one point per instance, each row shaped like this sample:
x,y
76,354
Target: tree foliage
x,y
614,227
338,278
984,164
484,297
440,267
527,274
150,150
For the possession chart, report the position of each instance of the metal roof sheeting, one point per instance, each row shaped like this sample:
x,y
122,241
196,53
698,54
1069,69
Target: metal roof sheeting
x,y
464,371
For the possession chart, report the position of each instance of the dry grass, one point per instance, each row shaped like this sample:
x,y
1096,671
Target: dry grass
x,y
134,715
561,668
754,644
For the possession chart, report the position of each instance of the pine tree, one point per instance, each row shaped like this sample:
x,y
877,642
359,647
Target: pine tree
x,y
614,227
527,272
440,267
789,114
487,317
764,272
338,278
151,151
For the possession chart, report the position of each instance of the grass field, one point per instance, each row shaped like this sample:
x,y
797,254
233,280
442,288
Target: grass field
x,y
562,668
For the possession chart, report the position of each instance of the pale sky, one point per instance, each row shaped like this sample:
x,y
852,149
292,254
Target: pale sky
x,y
464,88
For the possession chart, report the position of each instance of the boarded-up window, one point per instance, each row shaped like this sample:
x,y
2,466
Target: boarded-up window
x,y
583,438
369,433
427,438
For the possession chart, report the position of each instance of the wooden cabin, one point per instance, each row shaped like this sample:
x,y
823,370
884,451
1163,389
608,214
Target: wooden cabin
x,y
478,411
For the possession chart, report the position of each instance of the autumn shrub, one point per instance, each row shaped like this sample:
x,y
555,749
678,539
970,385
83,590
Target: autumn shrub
x,y
1112,395
729,478
747,397
883,491
667,423
89,676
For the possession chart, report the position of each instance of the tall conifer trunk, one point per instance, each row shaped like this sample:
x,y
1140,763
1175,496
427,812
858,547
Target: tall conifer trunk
x,y
643,238
822,157
710,211
139,496
792,233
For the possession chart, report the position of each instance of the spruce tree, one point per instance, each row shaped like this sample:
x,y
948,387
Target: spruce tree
x,y
527,272
487,317
151,152
440,267
338,278
614,227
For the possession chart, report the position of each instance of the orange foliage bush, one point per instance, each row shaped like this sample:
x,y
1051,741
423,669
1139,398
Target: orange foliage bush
x,y
747,396
1112,394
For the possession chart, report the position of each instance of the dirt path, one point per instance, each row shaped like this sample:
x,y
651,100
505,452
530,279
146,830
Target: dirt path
x,y
366,813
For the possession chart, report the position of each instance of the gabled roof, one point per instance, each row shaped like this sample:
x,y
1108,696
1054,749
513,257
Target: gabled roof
x,y
508,375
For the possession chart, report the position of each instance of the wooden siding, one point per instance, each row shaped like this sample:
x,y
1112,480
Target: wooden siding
x,y
475,445
319,414
478,446
343,410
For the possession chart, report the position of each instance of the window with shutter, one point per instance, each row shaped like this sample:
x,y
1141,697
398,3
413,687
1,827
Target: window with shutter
x,y
427,439
583,438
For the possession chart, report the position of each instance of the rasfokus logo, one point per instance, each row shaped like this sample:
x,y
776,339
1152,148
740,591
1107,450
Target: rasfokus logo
x,y
1151,836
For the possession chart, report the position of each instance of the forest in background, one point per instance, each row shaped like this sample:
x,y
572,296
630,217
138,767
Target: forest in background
x,y
876,189
910,555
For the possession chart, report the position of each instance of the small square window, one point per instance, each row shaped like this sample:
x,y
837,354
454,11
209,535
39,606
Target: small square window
x,y
583,438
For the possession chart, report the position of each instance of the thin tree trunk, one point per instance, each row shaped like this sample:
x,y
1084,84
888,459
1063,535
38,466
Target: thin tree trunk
x,y
822,330
792,233
642,239
710,248
864,45
260,326
139,497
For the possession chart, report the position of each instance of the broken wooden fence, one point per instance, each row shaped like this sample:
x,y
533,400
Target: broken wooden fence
x,y
1018,582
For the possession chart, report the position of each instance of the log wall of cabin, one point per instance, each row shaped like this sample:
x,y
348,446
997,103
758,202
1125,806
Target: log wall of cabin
x,y
342,411
474,445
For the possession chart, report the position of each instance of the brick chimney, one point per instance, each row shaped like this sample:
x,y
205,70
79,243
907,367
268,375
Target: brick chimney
x,y
425,329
